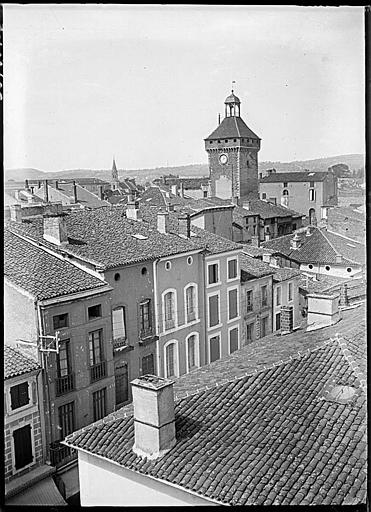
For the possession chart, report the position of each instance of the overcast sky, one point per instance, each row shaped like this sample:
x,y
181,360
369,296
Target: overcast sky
x,y
146,83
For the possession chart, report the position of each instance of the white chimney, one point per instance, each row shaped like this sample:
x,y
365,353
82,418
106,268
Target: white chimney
x,y
163,222
16,212
55,228
132,210
174,189
295,242
154,418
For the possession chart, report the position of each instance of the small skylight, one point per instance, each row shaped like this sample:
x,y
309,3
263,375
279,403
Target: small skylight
x,y
139,236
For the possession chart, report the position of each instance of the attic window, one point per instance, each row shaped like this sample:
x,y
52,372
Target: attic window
x,y
310,266
139,236
327,267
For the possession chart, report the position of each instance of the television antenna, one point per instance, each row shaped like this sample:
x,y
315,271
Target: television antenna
x,y
45,344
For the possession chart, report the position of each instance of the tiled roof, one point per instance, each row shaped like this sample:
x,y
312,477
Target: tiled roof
x,y
256,252
104,237
278,177
268,210
263,439
320,247
252,268
41,274
17,363
232,127
212,243
282,274
160,196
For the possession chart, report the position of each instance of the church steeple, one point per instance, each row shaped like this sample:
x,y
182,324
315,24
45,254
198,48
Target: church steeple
x,y
115,176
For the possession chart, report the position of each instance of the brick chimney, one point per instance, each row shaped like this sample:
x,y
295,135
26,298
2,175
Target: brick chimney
x,y
163,222
287,319
246,205
132,209
55,228
46,192
295,242
344,299
16,212
184,223
154,418
100,192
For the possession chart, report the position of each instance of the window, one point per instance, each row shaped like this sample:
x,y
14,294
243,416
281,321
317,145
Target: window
x,y
232,269
169,310
99,404
168,265
249,332
94,312
290,288
144,271
148,365
349,269
214,348
278,296
213,273
64,381
170,360
121,384
232,304
60,321
285,192
312,194
190,259
191,303
96,347
226,140
310,266
205,193
264,195
118,323
249,300
145,317
234,140
22,447
213,310
66,416
327,267
19,395
285,184
264,295
117,277
191,350
233,340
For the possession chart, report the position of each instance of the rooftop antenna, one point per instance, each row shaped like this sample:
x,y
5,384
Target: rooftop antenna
x,y
219,118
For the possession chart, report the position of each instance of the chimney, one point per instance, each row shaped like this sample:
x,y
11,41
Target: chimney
x,y
169,207
338,259
323,224
16,195
287,319
56,184
308,231
55,228
26,185
181,189
266,257
255,241
163,222
218,118
74,192
295,242
267,235
132,209
39,183
100,192
235,200
323,310
344,299
174,189
16,212
154,417
46,191
184,224
246,205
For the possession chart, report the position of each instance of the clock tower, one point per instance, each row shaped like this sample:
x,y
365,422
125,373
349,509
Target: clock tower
x,y
233,155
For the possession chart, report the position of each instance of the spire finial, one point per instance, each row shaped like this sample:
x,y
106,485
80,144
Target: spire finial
x,y
233,82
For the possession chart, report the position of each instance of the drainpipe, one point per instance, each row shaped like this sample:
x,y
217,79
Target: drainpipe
x,y
158,358
46,391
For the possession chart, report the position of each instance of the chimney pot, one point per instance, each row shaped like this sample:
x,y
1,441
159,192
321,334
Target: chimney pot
x,y
74,191
255,241
16,212
55,228
154,417
163,222
26,185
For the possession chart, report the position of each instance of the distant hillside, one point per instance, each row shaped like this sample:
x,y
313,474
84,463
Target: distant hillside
x,y
355,162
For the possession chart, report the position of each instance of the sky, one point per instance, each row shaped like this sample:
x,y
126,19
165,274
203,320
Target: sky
x,y
84,83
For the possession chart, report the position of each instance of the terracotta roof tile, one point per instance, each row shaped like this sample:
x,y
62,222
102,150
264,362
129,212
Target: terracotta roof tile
x,y
41,274
232,127
17,363
249,416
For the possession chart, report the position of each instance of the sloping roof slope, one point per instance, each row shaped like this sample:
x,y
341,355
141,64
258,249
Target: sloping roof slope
x,y
270,438
278,177
16,363
41,274
232,127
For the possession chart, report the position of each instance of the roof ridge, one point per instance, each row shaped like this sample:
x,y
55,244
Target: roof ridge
x,y
346,237
322,231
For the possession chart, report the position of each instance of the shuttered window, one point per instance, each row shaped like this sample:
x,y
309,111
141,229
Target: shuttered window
x,y
233,340
19,395
99,404
22,447
213,310
232,303
148,366
214,348
66,415
118,323
121,384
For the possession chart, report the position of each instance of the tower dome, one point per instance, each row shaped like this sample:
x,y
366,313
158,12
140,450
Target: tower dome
x,y
232,98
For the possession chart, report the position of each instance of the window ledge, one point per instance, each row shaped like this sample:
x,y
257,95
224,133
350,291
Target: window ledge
x,y
218,326
235,319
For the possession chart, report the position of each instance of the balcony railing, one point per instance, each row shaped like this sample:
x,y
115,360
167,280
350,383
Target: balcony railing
x,y
98,371
65,384
145,332
60,454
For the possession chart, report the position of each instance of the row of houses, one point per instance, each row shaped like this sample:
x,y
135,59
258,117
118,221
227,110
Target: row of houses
x,y
101,297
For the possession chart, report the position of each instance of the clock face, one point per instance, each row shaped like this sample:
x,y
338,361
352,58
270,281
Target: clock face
x,y
223,159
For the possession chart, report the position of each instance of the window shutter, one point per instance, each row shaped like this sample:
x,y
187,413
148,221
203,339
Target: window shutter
x,y
34,399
